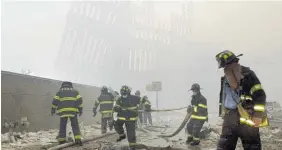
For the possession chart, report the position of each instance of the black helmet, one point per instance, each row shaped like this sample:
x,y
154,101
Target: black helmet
x,y
137,93
104,89
125,90
66,84
195,87
226,57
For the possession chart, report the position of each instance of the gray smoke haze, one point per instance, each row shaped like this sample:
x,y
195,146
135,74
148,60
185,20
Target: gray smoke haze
x,y
32,33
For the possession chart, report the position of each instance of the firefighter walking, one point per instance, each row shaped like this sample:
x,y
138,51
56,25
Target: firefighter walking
x,y
147,110
126,108
106,102
140,107
243,104
68,103
199,111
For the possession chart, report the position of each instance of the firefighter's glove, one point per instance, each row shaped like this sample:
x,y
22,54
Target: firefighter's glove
x,y
53,111
189,109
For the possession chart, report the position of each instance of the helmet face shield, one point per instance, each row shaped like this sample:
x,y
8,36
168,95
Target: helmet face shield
x,y
219,62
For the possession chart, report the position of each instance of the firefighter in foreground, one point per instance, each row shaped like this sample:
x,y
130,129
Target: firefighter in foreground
x,y
106,102
126,108
147,110
140,107
68,103
243,100
199,115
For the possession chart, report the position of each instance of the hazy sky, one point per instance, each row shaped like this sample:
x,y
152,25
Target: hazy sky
x,y
32,32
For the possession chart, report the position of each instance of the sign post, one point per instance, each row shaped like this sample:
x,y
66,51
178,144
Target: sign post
x,y
155,87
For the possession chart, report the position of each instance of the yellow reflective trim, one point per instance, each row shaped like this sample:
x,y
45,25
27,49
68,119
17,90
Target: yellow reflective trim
x,y
199,117
117,105
107,111
194,138
68,109
131,108
78,96
196,109
203,106
81,105
77,137
68,99
61,139
57,97
54,106
131,119
255,88
245,97
106,102
67,116
132,144
259,108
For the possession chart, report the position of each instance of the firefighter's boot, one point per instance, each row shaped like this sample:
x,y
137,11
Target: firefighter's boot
x,y
189,139
195,142
121,138
78,142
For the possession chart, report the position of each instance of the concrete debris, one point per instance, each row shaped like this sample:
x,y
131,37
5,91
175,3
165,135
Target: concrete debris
x,y
147,138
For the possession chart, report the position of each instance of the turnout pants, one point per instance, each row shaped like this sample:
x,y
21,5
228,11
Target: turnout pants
x,y
194,127
130,130
63,128
147,117
232,130
105,122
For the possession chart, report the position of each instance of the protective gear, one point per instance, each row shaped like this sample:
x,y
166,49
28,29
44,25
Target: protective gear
x,y
195,93
104,90
125,91
195,87
194,127
80,113
124,96
127,115
147,110
75,128
116,92
251,104
78,142
225,58
68,103
106,102
137,93
189,109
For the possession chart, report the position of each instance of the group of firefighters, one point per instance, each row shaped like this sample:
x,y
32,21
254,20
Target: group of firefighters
x,y
241,97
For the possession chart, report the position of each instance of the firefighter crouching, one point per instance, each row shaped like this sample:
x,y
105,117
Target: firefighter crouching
x,y
199,115
243,100
147,110
126,108
68,103
106,102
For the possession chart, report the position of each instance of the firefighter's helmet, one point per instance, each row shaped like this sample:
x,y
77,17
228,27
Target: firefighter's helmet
x,y
195,87
66,84
125,90
137,93
104,89
226,57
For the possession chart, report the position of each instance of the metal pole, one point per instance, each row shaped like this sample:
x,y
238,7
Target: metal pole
x,y
157,99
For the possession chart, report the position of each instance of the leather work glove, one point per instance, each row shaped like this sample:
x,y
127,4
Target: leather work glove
x,y
257,121
189,109
53,111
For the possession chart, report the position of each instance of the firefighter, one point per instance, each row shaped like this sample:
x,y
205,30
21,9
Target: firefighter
x,y
140,107
106,102
68,103
147,110
126,108
243,100
199,111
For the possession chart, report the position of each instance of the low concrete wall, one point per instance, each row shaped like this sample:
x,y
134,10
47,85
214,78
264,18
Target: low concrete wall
x,y
31,97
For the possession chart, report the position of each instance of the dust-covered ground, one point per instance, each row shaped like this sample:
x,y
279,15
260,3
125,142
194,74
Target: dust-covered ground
x,y
165,123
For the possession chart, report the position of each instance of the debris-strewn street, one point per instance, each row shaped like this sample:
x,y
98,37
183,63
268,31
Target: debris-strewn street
x,y
147,137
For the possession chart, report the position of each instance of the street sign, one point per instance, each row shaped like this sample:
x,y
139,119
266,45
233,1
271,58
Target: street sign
x,y
154,86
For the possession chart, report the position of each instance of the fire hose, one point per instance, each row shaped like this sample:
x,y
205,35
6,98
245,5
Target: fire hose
x,y
182,125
